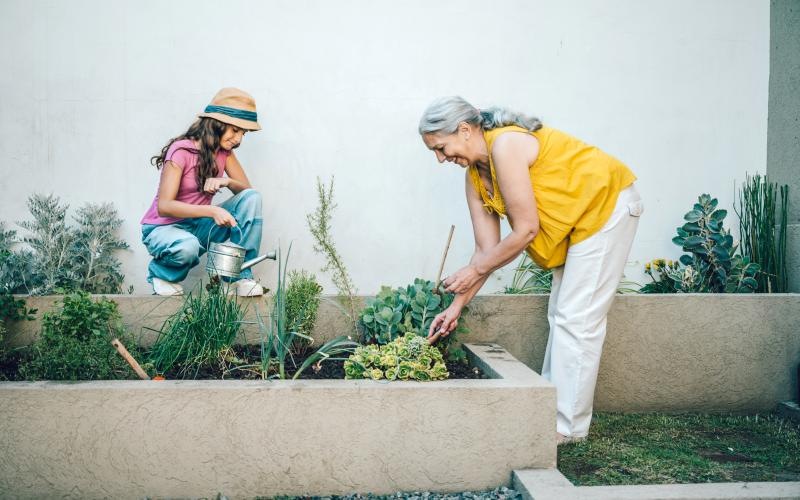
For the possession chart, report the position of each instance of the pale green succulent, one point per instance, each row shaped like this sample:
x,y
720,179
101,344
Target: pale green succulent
x,y
406,358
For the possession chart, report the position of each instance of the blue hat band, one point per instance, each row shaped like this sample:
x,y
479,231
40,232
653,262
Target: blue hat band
x,y
233,112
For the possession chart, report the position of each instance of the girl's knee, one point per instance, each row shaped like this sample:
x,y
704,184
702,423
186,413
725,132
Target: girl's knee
x,y
251,195
185,252
250,200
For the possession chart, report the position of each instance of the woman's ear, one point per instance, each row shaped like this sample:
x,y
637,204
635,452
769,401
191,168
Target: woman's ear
x,y
464,130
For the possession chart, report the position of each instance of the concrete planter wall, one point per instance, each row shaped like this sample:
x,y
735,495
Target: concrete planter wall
x,y
129,439
676,353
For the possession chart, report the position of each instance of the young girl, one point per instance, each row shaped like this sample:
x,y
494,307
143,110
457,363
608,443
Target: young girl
x,y
181,221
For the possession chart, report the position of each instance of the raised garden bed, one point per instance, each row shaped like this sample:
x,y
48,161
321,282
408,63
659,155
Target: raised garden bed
x,y
303,437
667,353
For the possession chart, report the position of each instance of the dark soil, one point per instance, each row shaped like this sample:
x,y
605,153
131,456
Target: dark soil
x,y
9,365
245,366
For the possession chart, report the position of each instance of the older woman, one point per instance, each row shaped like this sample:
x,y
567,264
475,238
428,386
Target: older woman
x,y
571,206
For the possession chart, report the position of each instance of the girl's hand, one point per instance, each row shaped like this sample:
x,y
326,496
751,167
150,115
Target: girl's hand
x,y
462,280
222,217
444,322
214,184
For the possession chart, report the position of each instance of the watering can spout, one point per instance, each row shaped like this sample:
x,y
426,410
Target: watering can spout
x,y
252,262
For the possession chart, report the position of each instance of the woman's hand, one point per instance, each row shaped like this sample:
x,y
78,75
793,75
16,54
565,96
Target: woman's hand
x,y
222,217
214,184
444,322
462,280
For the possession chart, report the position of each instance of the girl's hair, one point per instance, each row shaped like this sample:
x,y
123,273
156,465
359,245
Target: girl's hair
x,y
444,114
207,132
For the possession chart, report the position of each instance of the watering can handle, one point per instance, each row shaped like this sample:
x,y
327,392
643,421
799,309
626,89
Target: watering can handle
x,y
208,239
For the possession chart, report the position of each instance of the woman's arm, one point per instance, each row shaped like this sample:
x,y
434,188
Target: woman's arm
x,y
486,229
236,180
512,154
168,206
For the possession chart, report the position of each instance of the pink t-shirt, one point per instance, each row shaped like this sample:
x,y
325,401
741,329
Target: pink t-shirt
x,y
183,153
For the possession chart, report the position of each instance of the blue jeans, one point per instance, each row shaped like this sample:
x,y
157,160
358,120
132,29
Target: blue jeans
x,y
176,248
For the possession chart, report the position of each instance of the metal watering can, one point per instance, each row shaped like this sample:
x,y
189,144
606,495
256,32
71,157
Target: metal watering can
x,y
227,259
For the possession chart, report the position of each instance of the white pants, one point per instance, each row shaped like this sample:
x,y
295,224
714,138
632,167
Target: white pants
x,y
582,292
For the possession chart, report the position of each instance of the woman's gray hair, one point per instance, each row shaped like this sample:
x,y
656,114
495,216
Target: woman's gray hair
x,y
445,114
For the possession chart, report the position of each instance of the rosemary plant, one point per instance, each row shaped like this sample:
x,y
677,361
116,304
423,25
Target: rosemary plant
x,y
319,223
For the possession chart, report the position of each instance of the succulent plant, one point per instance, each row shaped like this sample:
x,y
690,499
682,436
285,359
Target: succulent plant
x,y
406,358
394,312
712,264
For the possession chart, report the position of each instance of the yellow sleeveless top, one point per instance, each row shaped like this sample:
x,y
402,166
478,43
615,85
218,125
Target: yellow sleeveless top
x,y
575,185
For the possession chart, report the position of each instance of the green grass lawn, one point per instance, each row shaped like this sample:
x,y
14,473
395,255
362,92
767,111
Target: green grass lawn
x,y
658,449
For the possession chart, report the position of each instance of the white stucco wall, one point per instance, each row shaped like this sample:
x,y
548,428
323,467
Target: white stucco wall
x,y
89,90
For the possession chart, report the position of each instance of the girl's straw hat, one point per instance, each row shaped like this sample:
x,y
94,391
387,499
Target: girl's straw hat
x,y
234,107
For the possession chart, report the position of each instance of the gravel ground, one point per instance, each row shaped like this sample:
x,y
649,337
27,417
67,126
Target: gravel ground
x,y
501,493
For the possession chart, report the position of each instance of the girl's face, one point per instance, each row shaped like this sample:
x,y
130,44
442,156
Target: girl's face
x,y
454,148
231,138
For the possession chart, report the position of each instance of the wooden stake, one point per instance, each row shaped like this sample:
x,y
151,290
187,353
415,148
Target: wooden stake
x,y
441,267
130,359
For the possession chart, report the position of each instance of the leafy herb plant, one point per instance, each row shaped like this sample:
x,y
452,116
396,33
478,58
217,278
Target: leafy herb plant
x,y
75,343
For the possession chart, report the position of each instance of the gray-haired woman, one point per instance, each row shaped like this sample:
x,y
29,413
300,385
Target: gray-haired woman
x,y
572,207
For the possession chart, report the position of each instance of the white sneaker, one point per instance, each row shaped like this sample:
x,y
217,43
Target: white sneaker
x,y
166,288
246,287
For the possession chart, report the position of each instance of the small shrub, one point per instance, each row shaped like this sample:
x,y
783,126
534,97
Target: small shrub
x,y
11,309
93,260
406,358
302,303
59,256
15,267
75,342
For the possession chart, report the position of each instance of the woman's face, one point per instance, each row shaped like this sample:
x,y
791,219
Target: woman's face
x,y
454,148
231,138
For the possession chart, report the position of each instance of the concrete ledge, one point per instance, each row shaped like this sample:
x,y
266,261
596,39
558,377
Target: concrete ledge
x,y
670,353
550,484
124,439
789,410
